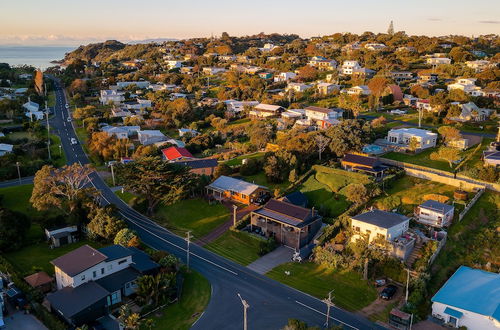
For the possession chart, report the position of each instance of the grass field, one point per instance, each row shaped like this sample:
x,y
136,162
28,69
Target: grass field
x,y
125,196
192,214
20,135
57,153
238,160
194,299
38,256
260,179
239,247
17,199
350,290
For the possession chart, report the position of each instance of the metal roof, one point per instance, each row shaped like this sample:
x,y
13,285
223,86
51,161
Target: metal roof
x,y
227,183
381,218
114,252
473,290
78,260
436,206
116,281
70,301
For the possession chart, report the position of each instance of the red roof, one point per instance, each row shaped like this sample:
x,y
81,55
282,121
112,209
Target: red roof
x,y
176,153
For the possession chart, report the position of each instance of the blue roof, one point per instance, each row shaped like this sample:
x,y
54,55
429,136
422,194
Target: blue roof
x,y
437,206
453,312
114,252
141,261
473,290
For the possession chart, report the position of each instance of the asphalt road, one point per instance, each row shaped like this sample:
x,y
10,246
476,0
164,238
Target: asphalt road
x,y
271,303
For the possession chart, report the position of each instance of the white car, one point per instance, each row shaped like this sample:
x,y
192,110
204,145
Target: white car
x,y
67,106
74,141
69,119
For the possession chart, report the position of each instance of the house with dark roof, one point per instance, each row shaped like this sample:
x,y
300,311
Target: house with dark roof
x,y
469,299
434,213
291,225
175,153
236,189
362,163
108,274
200,166
296,198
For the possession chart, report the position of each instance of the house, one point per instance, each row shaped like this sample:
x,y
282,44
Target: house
x,y
90,280
262,110
469,299
438,60
5,148
479,65
188,131
213,70
62,235
137,84
284,76
199,166
423,104
147,137
296,198
402,136
427,78
290,225
111,96
235,189
297,87
121,132
467,85
238,106
174,64
471,112
357,90
363,163
327,88
410,100
491,157
434,213
40,281
138,104
363,73
348,67
378,224
31,106
265,75
323,117
120,113
375,46
322,63
465,141
401,76
175,153
32,111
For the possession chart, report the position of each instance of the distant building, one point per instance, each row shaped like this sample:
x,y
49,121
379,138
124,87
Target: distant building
x,y
262,110
402,136
438,60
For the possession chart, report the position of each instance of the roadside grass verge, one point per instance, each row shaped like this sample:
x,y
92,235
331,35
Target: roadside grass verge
x,y
237,246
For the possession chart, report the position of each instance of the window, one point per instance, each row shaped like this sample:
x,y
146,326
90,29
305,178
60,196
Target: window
x,y
110,267
94,273
356,229
102,271
83,278
122,261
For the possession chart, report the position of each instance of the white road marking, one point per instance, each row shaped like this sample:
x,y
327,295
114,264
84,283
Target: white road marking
x,y
317,311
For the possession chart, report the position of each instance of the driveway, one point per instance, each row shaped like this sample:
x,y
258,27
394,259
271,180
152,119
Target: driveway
x,y
271,260
19,320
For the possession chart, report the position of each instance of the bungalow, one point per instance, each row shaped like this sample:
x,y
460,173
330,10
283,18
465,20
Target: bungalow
x,y
235,189
479,65
469,299
378,224
491,158
265,75
327,88
403,136
62,235
423,104
32,111
434,213
363,163
175,154
290,225
284,76
322,63
188,131
40,281
428,78
113,96
147,137
238,106
297,87
5,148
262,110
357,90
213,70
138,84
90,281
375,46
199,166
465,141
293,114
323,117
471,112
467,85
121,132
438,60
401,76
348,67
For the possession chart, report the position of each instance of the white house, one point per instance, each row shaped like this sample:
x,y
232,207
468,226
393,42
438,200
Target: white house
x,y
31,106
402,136
147,137
468,85
293,114
470,111
323,117
438,60
188,131
478,65
111,96
322,63
238,106
348,67
434,213
357,90
298,87
284,76
423,104
174,64
375,46
213,70
470,299
121,132
5,148
378,224
327,88
32,111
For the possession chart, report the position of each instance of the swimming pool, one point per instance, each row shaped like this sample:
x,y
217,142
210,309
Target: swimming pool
x,y
373,149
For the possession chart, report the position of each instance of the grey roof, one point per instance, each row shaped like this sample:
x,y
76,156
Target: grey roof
x,y
114,252
62,234
199,163
70,301
141,261
116,281
296,198
227,183
436,206
381,218
78,260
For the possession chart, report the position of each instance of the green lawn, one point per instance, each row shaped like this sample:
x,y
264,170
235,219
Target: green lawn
x,y
125,196
51,99
322,198
196,215
57,153
20,135
238,160
195,297
260,179
17,199
237,246
239,121
423,159
350,290
40,255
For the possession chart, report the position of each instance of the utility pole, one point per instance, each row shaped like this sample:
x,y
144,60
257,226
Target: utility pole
x,y
329,304
235,207
419,118
48,129
18,171
113,175
188,239
407,284
245,307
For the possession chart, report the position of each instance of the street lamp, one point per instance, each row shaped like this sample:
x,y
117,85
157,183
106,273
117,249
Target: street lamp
x,y
245,307
18,171
60,150
113,174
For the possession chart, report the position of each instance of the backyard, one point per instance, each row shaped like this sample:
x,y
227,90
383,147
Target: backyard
x,y
196,215
350,290
194,298
237,246
260,179
238,160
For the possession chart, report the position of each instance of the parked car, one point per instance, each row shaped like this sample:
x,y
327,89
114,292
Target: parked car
x,y
388,292
74,141
261,200
69,119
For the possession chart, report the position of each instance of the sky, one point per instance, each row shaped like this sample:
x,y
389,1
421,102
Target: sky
x,y
75,22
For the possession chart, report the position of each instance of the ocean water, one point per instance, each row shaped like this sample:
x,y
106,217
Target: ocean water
x,y
37,56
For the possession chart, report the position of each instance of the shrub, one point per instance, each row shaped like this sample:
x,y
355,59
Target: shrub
x,y
267,246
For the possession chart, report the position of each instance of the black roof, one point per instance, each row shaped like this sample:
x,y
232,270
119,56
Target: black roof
x,y
114,252
199,163
381,218
70,301
116,281
141,261
296,198
361,160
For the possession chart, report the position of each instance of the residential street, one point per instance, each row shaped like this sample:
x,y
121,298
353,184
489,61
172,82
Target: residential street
x,y
271,303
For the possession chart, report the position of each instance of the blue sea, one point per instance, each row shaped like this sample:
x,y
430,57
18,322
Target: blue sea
x,y
37,56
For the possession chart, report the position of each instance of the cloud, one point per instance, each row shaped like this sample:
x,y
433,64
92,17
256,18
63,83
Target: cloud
x,y
489,22
435,19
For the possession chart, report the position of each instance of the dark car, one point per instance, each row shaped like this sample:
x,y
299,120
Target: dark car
x,y
261,200
388,292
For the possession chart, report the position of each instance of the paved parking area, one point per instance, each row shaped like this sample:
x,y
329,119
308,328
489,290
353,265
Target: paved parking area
x,y
279,256
19,320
